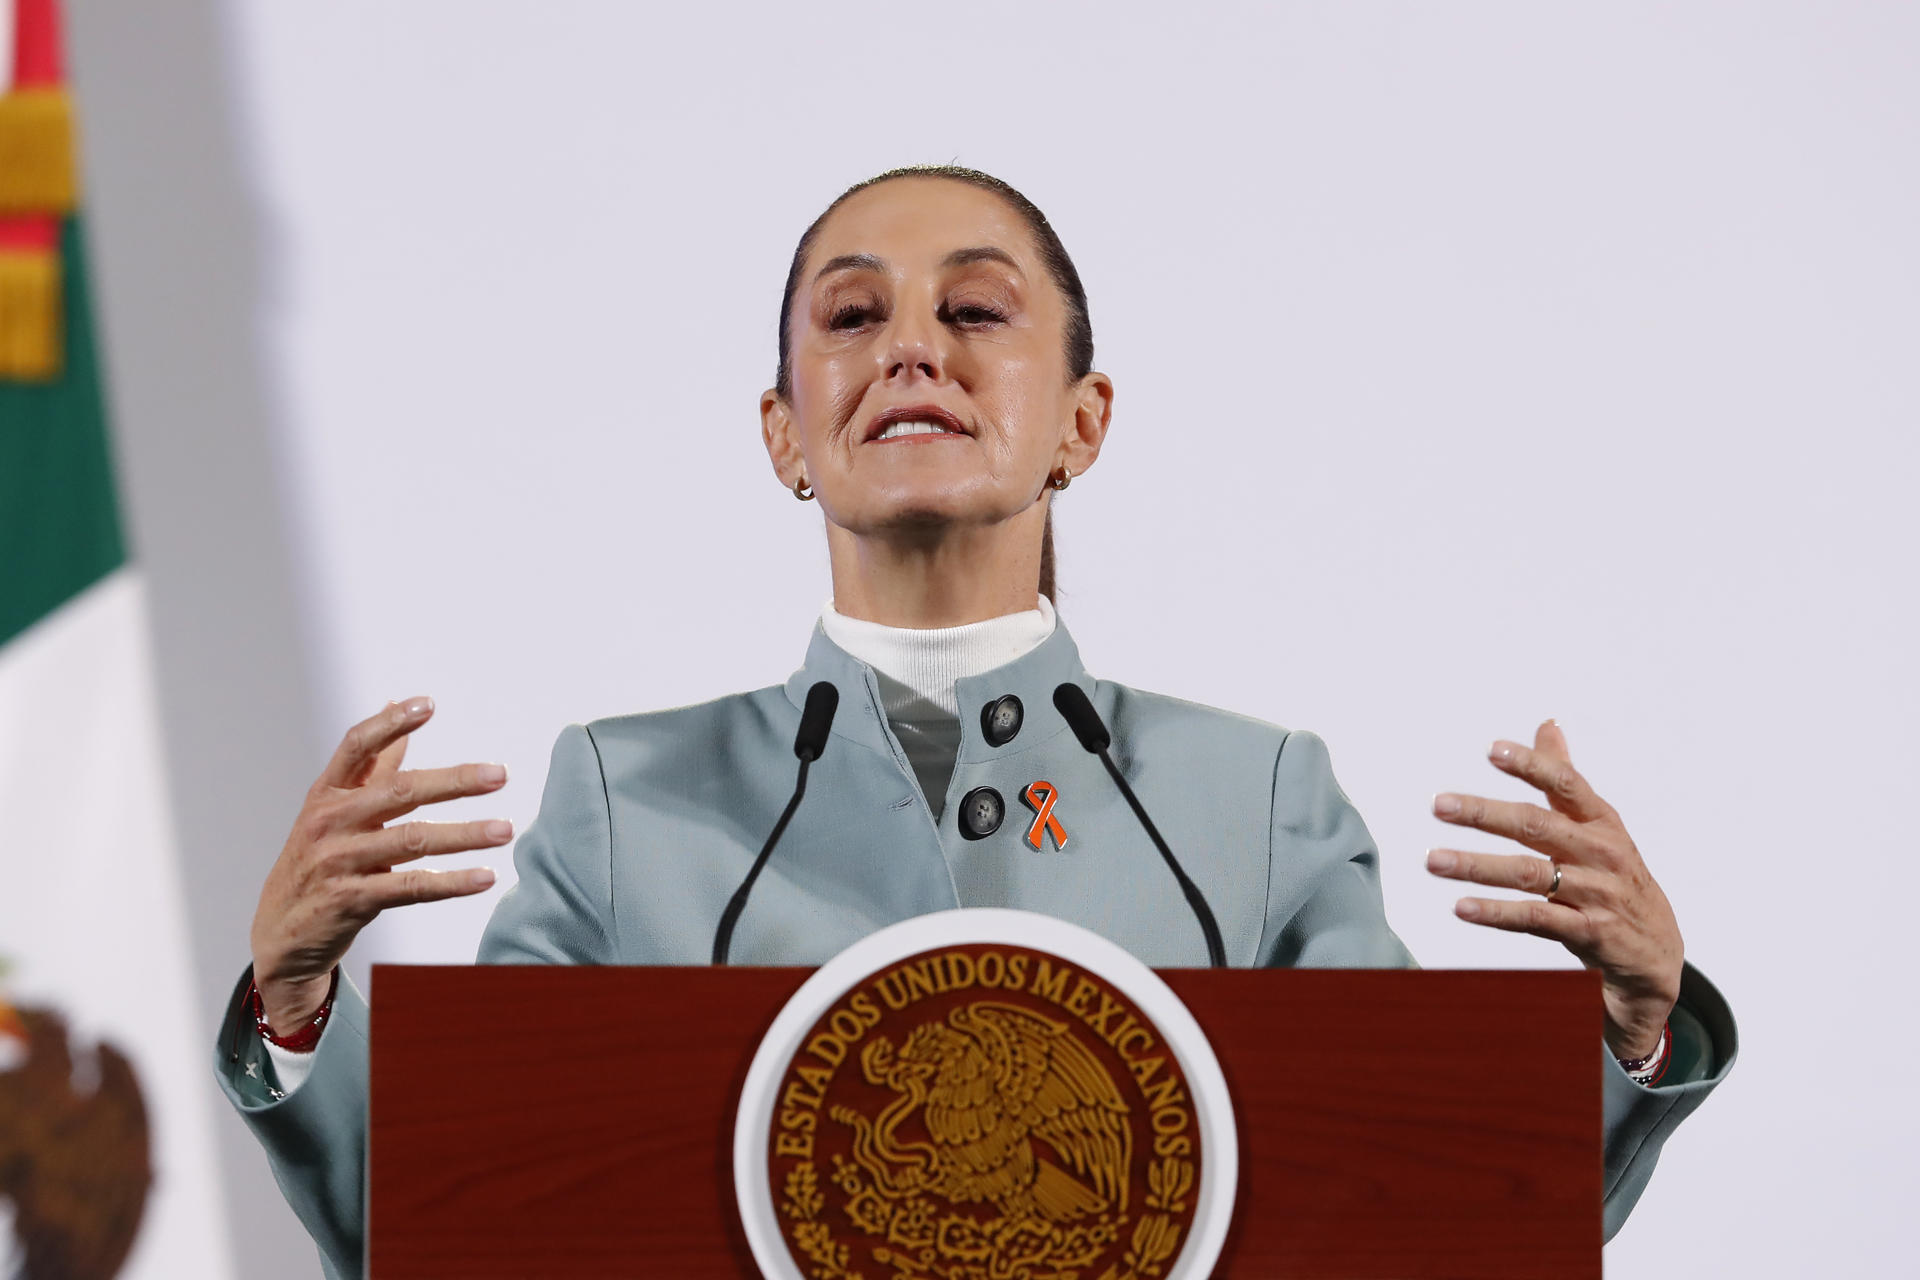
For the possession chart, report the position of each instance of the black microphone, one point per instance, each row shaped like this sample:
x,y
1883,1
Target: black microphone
x,y
816,718
1085,722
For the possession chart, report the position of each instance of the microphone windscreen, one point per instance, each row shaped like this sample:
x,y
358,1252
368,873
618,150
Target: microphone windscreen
x,y
815,720
1085,722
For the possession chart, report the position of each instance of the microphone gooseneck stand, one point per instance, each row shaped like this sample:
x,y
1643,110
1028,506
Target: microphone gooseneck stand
x,y
1087,726
811,740
815,720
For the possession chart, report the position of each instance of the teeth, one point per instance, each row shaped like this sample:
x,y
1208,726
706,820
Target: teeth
x,y
916,428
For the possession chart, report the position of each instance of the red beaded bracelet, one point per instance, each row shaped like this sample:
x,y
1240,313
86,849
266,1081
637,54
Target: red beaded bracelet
x,y
303,1040
1634,1067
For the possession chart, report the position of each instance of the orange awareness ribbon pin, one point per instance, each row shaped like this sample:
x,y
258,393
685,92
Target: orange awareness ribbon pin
x,y
1041,796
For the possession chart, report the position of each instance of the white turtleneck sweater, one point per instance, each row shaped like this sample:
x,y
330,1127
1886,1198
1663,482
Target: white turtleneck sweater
x,y
918,670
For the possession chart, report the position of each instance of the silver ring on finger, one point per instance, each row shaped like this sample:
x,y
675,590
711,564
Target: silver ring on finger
x,y
1555,886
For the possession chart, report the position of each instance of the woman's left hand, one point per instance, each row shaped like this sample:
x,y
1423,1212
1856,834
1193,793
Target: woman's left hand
x,y
1607,910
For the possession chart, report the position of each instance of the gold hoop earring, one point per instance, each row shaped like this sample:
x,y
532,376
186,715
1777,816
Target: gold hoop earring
x,y
1061,478
798,487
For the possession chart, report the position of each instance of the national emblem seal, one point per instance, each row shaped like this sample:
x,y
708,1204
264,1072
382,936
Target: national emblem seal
x,y
988,1110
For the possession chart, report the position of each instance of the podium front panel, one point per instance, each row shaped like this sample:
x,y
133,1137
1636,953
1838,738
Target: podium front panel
x,y
558,1121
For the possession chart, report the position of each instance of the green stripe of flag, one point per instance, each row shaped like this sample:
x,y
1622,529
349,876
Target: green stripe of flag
x,y
59,514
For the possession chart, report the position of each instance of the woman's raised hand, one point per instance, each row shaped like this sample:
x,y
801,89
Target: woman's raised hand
x,y
336,872
1606,908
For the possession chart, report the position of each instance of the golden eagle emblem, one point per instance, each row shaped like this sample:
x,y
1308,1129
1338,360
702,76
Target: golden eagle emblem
x,y
986,1112
985,1084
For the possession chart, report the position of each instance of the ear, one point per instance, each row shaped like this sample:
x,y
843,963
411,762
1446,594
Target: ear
x,y
782,438
1092,412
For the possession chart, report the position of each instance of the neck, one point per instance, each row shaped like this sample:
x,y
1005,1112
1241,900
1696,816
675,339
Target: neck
x,y
941,578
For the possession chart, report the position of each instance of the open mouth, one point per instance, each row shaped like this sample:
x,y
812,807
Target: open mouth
x,y
914,422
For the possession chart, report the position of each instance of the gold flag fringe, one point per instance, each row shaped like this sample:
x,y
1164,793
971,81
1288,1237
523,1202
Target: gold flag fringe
x,y
30,316
37,173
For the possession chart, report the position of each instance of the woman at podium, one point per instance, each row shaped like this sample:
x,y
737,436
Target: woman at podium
x,y
935,389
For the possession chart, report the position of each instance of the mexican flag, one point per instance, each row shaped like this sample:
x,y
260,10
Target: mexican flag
x,y
107,1163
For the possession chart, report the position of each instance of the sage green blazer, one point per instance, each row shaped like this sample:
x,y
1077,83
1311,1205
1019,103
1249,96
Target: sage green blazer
x,y
649,822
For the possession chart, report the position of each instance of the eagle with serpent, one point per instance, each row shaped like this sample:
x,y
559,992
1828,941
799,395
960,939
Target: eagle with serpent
x,y
1004,1151
74,1155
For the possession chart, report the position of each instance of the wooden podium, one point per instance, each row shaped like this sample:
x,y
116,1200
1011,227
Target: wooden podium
x,y
552,1121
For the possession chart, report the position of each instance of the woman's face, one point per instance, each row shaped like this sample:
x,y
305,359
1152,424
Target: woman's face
x,y
928,365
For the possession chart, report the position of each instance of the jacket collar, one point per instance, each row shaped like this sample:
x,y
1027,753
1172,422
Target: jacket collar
x,y
1031,678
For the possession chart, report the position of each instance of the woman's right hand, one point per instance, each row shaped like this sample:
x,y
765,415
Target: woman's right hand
x,y
336,872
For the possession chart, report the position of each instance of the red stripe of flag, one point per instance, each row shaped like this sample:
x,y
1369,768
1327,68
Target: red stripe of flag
x,y
36,44
29,233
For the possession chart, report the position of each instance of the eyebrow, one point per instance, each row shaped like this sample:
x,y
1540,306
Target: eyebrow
x,y
851,262
958,258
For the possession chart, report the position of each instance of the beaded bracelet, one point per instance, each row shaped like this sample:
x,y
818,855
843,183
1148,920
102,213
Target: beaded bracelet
x,y
1649,1069
303,1040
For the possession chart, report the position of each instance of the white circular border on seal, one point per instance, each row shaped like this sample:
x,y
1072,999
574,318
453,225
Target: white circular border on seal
x,y
1219,1139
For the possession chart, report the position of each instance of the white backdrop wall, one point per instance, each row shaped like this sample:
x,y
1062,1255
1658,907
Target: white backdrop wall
x,y
1476,364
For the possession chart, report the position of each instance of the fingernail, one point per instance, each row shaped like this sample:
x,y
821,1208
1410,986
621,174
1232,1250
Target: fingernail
x,y
1445,806
1441,860
1467,909
1500,751
480,877
417,707
499,829
492,773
